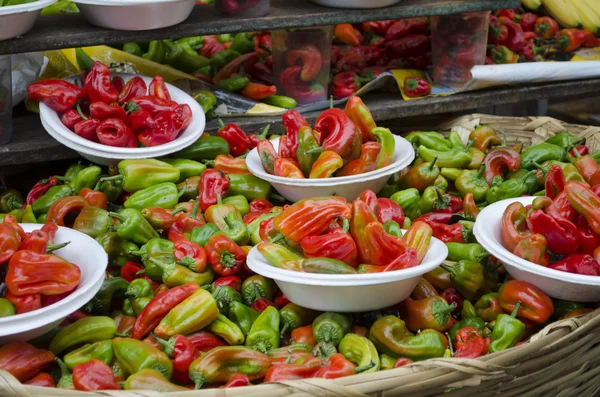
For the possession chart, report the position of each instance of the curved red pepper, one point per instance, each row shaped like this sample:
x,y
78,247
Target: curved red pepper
x,y
589,239
94,375
499,161
98,85
59,95
135,87
39,189
237,380
182,352
238,141
301,91
158,88
310,59
555,181
578,264
225,256
336,132
287,168
382,248
114,132
103,111
24,303
292,122
514,222
190,255
533,249
204,341
87,129
213,184
562,234
335,244
10,242
168,126
230,281
337,366
155,105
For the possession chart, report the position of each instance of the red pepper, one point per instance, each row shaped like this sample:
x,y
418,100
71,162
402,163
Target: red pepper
x,y
438,217
468,343
337,366
225,257
204,341
452,296
257,205
260,72
446,233
267,230
70,118
211,46
159,307
589,239
310,60
155,105
571,39
378,27
528,21
382,248
230,281
39,189
508,13
301,91
411,45
500,161
351,62
536,306
118,83
579,264
516,40
98,86
94,375
158,88
546,27
237,380
292,122
246,60
59,95
238,141
581,149
402,362
281,300
10,242
389,210
531,50
190,255
346,34
371,55
135,87
114,132
258,92
405,27
165,131
43,379
562,234
24,361
102,111
533,249
287,168
24,303
335,244
213,184
415,87
88,129
36,241
345,84
129,271
94,197
336,132
261,304
182,352
284,372
555,181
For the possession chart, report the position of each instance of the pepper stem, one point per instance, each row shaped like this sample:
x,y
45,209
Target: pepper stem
x,y
315,150
219,200
98,184
365,367
541,167
78,108
331,106
169,345
481,171
55,247
112,178
181,192
209,163
290,355
188,262
63,178
345,225
470,144
577,154
516,309
282,333
265,131
449,269
178,210
221,123
195,210
433,164
117,216
228,259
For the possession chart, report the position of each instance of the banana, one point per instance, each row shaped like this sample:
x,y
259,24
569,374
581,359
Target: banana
x,y
563,11
531,4
590,19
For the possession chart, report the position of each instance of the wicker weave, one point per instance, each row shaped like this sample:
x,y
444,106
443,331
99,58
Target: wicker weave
x,y
562,360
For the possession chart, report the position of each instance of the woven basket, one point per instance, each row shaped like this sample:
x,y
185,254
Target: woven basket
x,y
562,360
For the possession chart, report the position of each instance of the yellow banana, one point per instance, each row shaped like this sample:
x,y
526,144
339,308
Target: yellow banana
x,y
590,19
563,11
531,4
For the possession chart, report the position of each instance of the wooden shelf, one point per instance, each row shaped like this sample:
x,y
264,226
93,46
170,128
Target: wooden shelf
x,y
71,30
31,143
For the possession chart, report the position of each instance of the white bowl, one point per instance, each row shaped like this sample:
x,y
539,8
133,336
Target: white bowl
x,y
348,292
350,187
135,15
19,19
92,260
356,3
555,283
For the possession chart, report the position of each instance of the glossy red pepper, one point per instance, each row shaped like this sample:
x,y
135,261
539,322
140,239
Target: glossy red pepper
x,y
301,91
528,20
135,87
309,58
225,256
287,168
155,105
59,95
292,122
562,234
24,361
114,132
182,352
24,303
261,304
43,379
405,27
98,86
158,88
10,242
555,181
140,119
168,126
88,129
515,40
70,118
468,343
411,45
589,239
238,141
535,304
546,27
335,244
579,264
415,87
213,184
204,341
230,281
190,255
257,205
129,271
336,132
39,189
102,111
337,366
94,375
453,296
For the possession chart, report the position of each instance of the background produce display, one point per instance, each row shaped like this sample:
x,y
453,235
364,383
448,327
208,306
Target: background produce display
x,y
180,309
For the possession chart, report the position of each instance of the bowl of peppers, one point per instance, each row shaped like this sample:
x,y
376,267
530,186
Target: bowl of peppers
x,y
51,271
549,242
327,254
117,117
343,155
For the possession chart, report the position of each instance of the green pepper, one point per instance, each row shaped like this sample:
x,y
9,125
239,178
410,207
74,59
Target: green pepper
x,y
133,226
7,309
118,249
278,255
84,61
540,153
248,186
562,307
86,178
10,200
331,327
455,140
409,200
452,158
139,304
243,43
569,170
207,101
234,84
256,287
18,214
254,226
133,48
264,334
293,316
387,191
428,199
201,234
507,332
564,140
183,60
113,189
441,183
28,215
468,277
362,352
127,308
141,174
66,379
207,71
187,168
471,252
222,58
326,266
71,172
191,315
207,148
239,202
387,362
164,195
134,355
139,288
55,193
530,180
473,322
102,351
111,287
242,315
224,296
60,7
157,51
431,140
392,227
84,330
388,144
227,330
472,181
468,310
511,188
488,307
309,149
235,229
450,173
174,275
596,156
191,44
281,101
93,221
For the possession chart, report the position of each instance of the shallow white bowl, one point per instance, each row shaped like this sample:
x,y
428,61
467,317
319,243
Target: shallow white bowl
x,y
356,3
19,19
54,126
84,252
135,15
351,292
350,187
557,284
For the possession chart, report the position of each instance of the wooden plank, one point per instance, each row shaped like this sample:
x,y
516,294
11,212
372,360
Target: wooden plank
x,y
32,144
71,30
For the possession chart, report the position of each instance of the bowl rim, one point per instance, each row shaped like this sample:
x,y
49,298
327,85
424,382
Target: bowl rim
x,y
22,322
51,119
396,166
481,231
436,254
26,7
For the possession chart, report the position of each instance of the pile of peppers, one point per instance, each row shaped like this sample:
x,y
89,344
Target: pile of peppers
x,y
342,143
114,113
179,309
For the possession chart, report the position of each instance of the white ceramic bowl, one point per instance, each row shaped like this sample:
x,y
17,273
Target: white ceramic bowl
x,y
350,187
557,284
84,252
352,292
135,14
104,154
356,3
19,19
